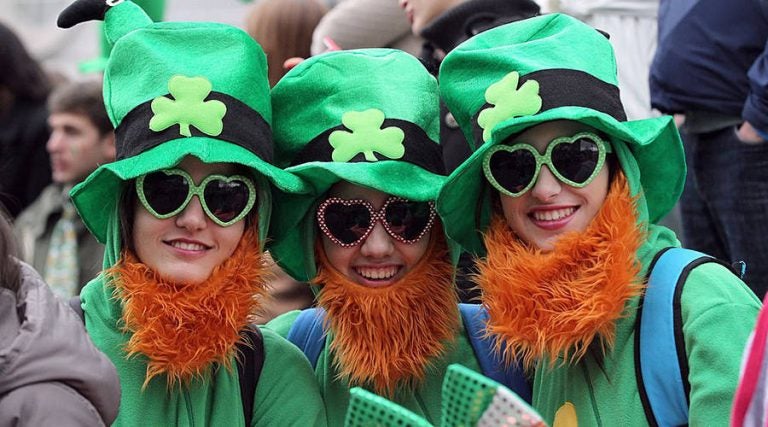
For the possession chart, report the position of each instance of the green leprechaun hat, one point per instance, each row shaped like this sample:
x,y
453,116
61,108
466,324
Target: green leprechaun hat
x,y
366,116
552,67
174,89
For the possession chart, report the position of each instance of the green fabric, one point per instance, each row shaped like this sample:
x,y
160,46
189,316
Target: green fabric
x,y
338,88
719,313
280,399
548,42
425,401
147,63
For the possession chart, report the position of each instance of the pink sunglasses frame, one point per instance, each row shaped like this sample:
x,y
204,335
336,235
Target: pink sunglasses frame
x,y
376,216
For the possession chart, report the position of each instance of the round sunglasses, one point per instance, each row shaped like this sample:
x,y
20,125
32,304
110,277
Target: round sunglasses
x,y
225,199
348,222
574,160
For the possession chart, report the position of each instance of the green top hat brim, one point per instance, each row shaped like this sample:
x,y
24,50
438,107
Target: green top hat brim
x,y
97,197
650,145
293,229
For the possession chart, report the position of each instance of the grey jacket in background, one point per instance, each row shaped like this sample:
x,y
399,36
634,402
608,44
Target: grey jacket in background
x,y
34,227
51,374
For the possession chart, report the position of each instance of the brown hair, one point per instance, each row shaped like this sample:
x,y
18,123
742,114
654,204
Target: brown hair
x,y
284,30
10,271
83,98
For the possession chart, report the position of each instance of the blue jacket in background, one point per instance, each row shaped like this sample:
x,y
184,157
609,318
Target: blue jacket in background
x,y
712,56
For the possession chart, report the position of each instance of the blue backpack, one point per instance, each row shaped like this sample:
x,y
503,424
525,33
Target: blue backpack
x,y
307,334
664,387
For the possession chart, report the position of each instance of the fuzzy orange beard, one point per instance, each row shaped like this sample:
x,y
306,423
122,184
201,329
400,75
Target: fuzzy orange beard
x,y
557,303
183,329
386,337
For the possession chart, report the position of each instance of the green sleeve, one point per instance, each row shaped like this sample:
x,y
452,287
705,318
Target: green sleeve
x,y
287,393
719,312
282,323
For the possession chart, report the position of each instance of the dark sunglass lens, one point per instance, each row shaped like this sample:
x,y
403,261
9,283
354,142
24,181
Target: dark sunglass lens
x,y
407,219
165,193
513,170
577,160
226,199
347,223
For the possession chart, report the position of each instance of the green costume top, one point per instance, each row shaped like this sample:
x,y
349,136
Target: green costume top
x,y
425,400
554,67
375,93
174,90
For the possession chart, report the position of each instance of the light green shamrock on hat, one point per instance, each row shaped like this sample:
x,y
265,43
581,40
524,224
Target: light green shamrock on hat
x,y
366,137
188,108
508,101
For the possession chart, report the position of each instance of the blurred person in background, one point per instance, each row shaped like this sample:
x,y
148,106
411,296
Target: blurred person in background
x,y
357,24
711,71
24,87
53,238
52,374
284,29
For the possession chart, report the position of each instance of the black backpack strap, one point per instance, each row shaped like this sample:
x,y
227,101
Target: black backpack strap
x,y
74,302
250,360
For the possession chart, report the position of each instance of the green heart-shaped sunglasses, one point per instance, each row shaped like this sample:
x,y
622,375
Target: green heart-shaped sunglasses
x,y
225,199
574,160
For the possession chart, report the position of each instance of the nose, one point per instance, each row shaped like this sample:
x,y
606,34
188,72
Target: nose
x,y
378,244
402,3
193,216
54,142
547,185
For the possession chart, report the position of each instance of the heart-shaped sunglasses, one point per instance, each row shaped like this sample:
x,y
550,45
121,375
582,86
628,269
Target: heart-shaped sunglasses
x,y
225,199
348,222
574,160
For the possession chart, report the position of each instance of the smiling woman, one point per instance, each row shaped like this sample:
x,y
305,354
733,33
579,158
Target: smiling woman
x,y
184,213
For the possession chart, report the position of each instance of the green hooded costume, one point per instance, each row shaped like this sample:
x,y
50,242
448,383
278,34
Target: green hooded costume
x,y
202,66
553,67
345,92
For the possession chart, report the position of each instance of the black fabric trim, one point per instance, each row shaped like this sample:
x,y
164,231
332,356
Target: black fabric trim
x,y
419,149
682,355
250,361
564,88
243,126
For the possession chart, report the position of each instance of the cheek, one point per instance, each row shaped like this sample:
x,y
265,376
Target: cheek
x,y
412,254
337,256
229,237
144,224
512,209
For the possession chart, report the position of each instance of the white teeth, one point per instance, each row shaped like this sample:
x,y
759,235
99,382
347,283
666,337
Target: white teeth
x,y
377,273
187,246
553,215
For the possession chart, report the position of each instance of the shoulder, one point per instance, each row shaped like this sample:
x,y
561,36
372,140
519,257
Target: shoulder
x,y
48,403
711,285
275,344
281,324
46,203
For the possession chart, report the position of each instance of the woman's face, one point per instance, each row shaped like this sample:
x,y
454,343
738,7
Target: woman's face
x,y
187,247
551,207
379,260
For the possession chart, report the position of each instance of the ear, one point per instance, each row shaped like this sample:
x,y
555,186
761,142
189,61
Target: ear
x,y
108,150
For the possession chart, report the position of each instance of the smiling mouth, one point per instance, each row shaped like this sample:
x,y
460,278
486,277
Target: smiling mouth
x,y
379,273
187,246
552,215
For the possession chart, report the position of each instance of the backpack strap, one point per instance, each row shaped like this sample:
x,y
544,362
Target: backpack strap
x,y
307,333
475,318
249,364
663,386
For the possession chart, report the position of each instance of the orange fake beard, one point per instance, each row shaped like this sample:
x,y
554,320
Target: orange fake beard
x,y
385,338
184,329
557,303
